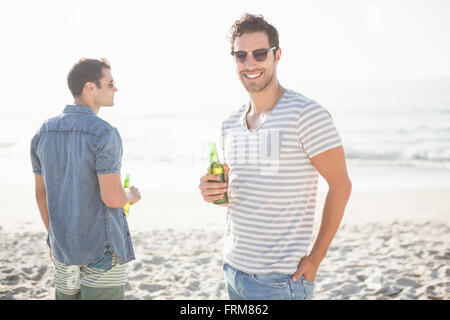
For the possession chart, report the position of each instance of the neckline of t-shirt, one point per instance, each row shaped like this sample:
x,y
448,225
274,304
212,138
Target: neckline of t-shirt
x,y
244,116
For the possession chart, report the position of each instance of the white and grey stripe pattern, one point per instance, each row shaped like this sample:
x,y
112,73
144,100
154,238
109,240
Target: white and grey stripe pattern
x,y
98,278
68,278
273,183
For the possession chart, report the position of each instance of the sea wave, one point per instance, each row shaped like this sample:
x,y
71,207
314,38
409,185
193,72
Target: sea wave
x,y
434,155
427,158
437,159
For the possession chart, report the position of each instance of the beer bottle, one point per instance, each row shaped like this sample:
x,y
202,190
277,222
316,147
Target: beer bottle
x,y
216,168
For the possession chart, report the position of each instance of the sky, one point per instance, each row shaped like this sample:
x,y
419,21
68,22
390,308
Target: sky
x,y
173,56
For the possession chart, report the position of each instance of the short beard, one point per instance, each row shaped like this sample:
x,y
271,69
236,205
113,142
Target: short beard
x,y
263,86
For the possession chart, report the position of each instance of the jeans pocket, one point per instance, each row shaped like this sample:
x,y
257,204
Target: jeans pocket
x,y
309,288
274,280
105,263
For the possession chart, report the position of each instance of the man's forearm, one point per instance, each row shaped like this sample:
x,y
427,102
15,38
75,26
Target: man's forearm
x,y
333,212
41,200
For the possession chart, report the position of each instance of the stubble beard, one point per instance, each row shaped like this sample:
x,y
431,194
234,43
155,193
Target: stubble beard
x,y
110,102
106,102
253,88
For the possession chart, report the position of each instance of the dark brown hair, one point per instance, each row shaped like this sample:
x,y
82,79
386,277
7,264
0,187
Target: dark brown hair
x,y
250,23
86,70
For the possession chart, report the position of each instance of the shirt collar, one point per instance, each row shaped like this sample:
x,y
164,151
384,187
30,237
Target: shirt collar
x,y
74,108
243,118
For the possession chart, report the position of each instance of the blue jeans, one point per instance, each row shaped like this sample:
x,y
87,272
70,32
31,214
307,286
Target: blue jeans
x,y
270,286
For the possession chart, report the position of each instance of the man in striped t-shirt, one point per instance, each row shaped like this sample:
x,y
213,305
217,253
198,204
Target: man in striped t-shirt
x,y
274,147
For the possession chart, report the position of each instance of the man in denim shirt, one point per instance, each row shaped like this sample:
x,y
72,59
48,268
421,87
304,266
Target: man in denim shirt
x,y
76,159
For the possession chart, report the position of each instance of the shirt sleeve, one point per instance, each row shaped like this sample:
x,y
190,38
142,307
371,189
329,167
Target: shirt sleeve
x,y
108,153
35,162
316,130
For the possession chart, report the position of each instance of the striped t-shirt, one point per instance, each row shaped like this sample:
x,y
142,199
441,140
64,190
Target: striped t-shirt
x,y
273,183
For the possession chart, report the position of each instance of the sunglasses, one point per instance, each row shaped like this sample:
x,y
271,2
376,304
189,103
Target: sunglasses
x,y
259,55
110,84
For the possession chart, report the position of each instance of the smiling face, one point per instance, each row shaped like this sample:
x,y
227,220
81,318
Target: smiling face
x,y
256,76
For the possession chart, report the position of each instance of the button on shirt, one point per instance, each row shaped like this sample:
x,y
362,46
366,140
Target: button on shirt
x,y
70,151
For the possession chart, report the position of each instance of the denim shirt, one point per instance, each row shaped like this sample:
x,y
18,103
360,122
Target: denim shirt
x,y
70,151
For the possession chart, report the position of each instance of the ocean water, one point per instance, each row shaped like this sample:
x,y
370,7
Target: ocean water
x,y
404,123
399,124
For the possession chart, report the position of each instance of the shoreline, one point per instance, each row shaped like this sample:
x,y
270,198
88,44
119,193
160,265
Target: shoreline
x,y
419,205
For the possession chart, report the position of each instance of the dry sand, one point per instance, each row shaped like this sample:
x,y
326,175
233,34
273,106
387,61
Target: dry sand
x,y
399,260
392,244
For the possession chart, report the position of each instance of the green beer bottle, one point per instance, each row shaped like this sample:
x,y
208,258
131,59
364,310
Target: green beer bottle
x,y
126,184
216,168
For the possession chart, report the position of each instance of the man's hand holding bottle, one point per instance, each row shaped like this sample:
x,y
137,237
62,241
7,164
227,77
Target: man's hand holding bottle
x,y
211,189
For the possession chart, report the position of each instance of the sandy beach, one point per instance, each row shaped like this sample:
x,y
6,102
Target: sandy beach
x,y
393,243
380,69
401,260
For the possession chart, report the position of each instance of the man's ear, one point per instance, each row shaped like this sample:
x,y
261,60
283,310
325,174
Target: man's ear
x,y
277,55
89,87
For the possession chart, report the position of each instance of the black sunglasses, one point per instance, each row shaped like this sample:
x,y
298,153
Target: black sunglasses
x,y
259,55
111,84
